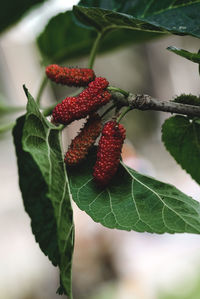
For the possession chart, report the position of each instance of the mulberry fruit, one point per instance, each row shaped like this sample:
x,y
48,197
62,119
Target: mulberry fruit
x,y
109,151
70,76
80,145
88,101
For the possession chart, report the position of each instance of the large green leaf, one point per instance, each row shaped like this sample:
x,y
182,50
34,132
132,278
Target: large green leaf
x,y
11,11
194,57
133,201
178,17
112,5
181,137
63,39
43,183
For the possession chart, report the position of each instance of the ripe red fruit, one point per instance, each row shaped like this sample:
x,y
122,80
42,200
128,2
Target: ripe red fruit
x,y
109,151
88,101
84,140
70,76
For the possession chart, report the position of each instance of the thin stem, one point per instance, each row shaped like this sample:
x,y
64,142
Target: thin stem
x,y
48,111
41,89
108,110
123,114
61,127
112,88
11,109
76,92
94,50
6,127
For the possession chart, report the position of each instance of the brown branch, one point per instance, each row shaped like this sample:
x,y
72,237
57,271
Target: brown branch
x,y
146,102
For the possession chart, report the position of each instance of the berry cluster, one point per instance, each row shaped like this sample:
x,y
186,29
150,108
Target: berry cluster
x,y
88,101
109,151
70,76
80,145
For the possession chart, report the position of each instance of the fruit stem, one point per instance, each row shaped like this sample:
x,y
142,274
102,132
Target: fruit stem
x,y
112,88
123,114
108,110
41,89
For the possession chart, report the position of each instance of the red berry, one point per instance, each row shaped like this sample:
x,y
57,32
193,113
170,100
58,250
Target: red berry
x,y
70,76
109,152
88,101
84,140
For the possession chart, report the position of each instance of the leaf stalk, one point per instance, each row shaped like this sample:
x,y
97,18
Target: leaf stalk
x,y
94,50
41,89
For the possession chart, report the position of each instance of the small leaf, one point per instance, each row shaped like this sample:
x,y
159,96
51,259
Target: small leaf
x,y
63,39
43,183
195,57
133,201
12,11
172,16
181,137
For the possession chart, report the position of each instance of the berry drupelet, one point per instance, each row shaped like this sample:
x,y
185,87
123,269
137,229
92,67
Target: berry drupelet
x,y
109,152
81,144
70,76
88,101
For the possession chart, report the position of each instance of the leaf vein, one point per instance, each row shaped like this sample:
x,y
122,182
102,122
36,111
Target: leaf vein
x,y
159,198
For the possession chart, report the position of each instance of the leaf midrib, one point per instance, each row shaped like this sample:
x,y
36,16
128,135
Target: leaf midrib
x,y
49,156
139,218
195,135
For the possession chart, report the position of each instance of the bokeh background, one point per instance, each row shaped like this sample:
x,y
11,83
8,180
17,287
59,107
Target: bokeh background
x,y
108,264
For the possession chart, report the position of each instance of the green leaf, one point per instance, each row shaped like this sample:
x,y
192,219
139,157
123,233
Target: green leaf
x,y
43,183
177,17
63,39
181,137
112,5
133,201
11,11
195,57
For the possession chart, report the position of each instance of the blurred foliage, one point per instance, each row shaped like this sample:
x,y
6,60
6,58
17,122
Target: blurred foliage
x,y
194,57
12,10
192,290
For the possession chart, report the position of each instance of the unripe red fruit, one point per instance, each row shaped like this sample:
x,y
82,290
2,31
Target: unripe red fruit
x,y
70,76
109,151
88,101
81,144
